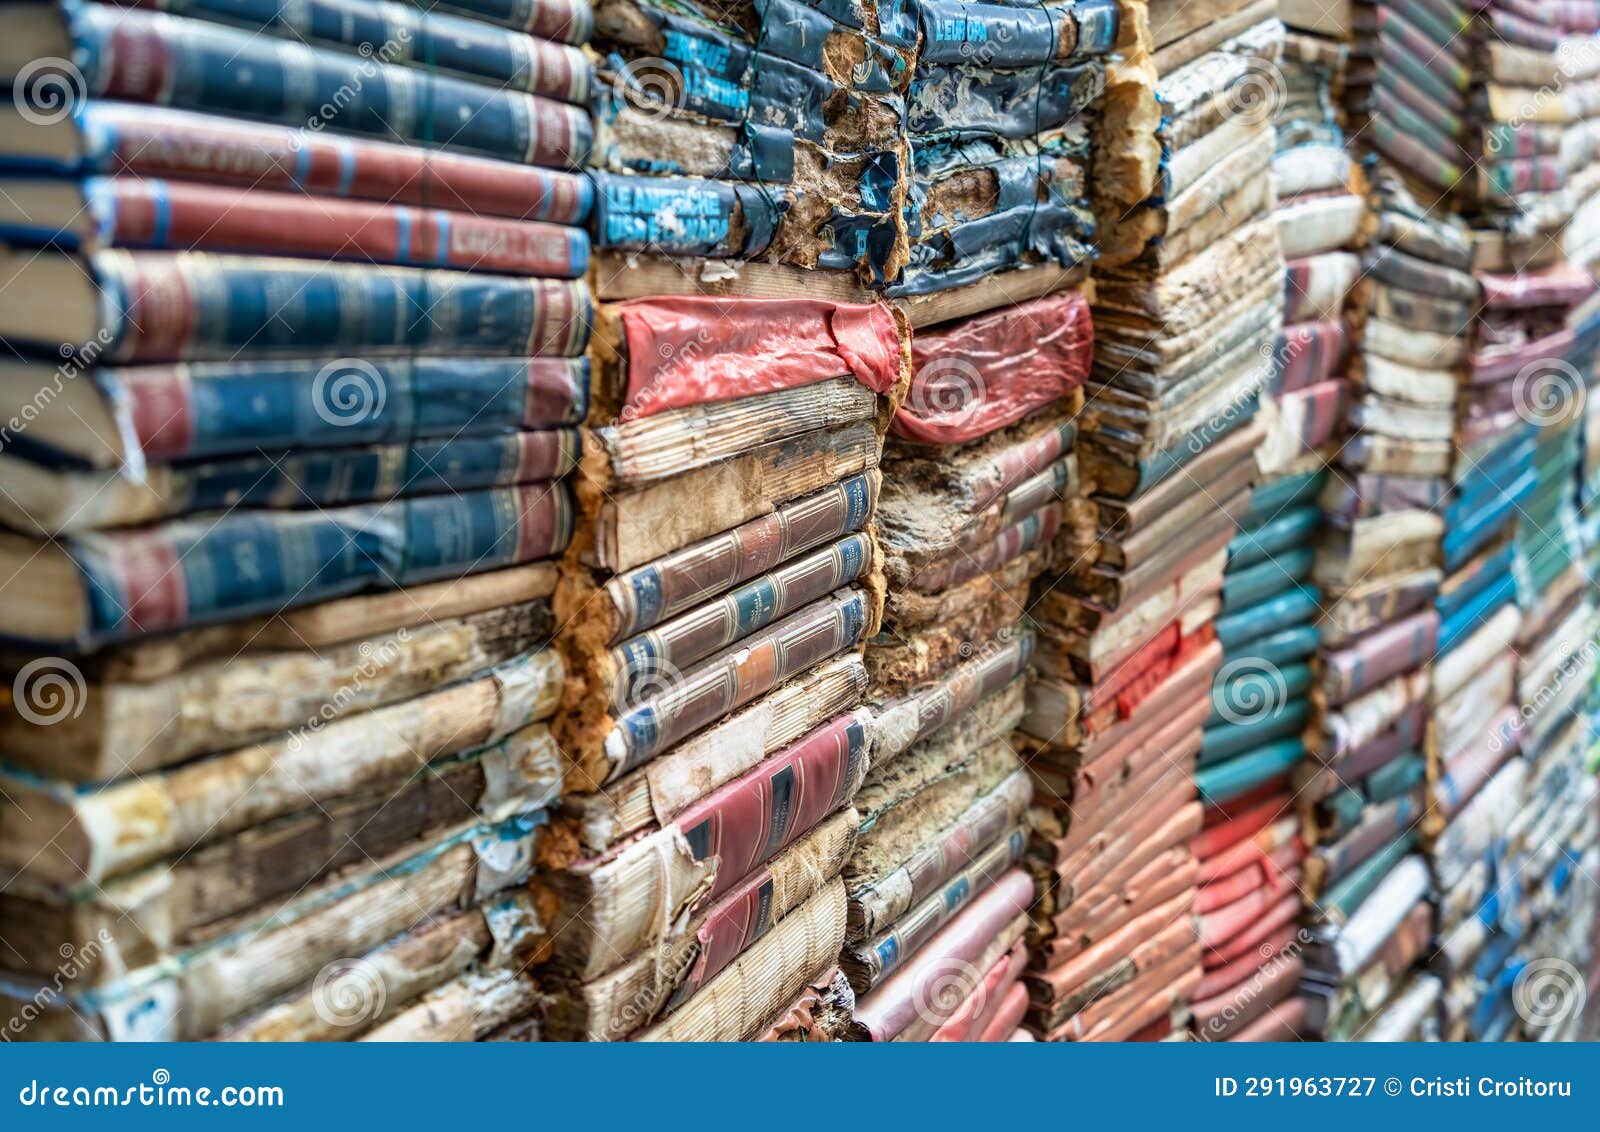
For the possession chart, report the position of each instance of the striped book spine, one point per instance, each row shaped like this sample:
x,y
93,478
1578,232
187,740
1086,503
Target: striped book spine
x,y
564,21
192,64
149,213
760,664
341,476
163,307
154,141
749,821
196,571
645,597
475,50
219,409
684,641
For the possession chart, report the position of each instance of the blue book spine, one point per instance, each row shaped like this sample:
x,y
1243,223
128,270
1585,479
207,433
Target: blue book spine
x,y
145,57
161,307
244,563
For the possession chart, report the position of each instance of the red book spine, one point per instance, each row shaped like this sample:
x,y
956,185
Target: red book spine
x,y
156,142
182,215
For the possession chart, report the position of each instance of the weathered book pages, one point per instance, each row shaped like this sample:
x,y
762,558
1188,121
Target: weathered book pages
x,y
68,836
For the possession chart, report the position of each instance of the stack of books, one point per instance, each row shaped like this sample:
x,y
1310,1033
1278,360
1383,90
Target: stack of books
x,y
980,476
724,573
1187,309
1270,605
1363,794
295,360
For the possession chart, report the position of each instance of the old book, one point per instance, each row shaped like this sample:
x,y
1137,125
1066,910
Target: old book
x,y
641,665
358,996
684,703
120,725
634,526
739,1003
68,835
614,904
870,961
208,986
625,999
878,902
136,919
469,1009
666,786
909,1002
238,408
641,598
122,584
146,306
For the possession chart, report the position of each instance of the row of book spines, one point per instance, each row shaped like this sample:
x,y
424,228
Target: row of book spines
x,y
244,563
149,141
336,477
474,50
170,61
199,411
135,212
160,307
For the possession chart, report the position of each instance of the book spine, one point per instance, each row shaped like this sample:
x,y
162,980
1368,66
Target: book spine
x,y
193,572
1017,464
645,597
773,656
682,216
409,36
344,476
640,661
150,141
1010,544
1310,353
164,307
695,350
972,102
563,21
955,33
148,213
170,61
185,411
749,821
